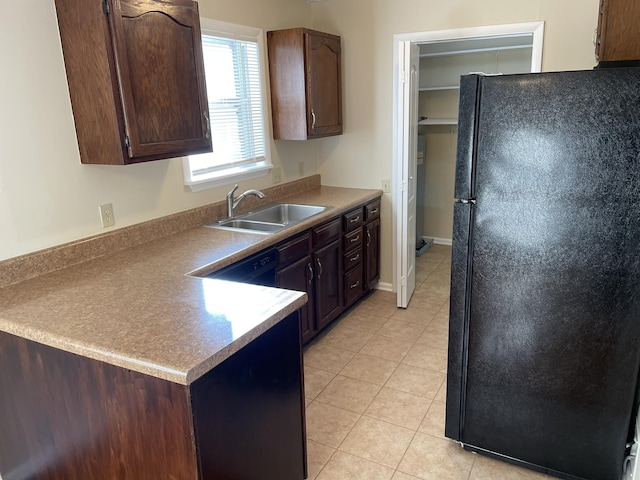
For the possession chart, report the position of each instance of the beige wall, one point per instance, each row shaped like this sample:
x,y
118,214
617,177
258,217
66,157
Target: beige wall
x,y
363,155
47,197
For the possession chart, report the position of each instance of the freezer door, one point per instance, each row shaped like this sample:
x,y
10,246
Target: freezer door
x,y
548,353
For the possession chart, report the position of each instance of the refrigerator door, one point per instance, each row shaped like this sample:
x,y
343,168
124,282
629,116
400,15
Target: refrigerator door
x,y
544,351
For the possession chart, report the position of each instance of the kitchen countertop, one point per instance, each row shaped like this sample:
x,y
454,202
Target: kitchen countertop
x,y
146,309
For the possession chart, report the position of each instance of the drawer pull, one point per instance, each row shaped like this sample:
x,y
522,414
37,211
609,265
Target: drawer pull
x,y
368,238
355,284
375,210
355,239
354,220
355,259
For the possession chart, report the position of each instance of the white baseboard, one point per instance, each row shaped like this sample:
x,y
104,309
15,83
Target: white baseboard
x,y
384,286
441,241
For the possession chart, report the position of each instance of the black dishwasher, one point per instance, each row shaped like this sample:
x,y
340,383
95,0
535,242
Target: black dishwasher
x,y
259,269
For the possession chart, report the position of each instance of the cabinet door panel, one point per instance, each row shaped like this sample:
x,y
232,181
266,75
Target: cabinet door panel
x,y
159,57
372,253
299,276
324,84
328,283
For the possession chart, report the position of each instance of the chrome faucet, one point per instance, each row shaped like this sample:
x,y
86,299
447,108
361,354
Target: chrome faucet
x,y
232,203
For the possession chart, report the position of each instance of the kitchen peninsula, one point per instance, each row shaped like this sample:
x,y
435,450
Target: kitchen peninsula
x,y
126,366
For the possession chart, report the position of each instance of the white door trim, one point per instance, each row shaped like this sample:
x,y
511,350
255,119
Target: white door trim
x,y
535,28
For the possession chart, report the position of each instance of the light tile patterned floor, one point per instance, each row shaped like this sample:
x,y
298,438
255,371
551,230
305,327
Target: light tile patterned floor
x,y
375,390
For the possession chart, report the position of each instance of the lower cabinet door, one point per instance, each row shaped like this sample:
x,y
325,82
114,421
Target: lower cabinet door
x,y
372,253
299,276
328,283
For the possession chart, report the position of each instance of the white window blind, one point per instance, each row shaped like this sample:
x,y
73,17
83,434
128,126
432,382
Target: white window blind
x,y
235,93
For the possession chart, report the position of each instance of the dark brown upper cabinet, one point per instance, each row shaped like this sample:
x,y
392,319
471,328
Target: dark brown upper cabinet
x,y
618,34
136,78
306,84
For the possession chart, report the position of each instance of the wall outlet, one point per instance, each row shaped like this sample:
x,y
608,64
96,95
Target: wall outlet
x,y
276,174
386,186
106,215
300,169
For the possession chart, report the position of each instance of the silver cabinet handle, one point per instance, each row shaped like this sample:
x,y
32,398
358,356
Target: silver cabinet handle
x,y
313,119
355,239
319,267
355,259
355,284
375,210
310,272
368,238
354,220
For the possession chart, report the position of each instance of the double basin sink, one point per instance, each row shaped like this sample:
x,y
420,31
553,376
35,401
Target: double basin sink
x,y
270,219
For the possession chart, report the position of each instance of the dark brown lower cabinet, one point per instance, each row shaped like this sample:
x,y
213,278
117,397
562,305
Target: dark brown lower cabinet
x,y
328,283
372,253
64,416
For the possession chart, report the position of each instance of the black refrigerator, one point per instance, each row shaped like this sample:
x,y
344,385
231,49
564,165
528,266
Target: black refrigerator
x,y
544,333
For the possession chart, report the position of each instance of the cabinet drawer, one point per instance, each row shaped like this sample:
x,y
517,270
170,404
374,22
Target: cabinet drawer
x,y
293,250
326,233
352,285
353,219
353,240
372,211
352,258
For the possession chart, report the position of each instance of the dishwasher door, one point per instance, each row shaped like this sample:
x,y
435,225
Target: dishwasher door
x,y
259,269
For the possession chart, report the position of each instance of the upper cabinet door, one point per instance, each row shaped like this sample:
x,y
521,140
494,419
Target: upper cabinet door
x,y
136,79
324,84
158,51
306,83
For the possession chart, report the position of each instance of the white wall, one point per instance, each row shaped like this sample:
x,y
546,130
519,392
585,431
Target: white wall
x,y
47,197
363,155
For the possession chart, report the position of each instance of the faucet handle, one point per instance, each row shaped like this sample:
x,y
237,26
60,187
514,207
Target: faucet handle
x,y
230,194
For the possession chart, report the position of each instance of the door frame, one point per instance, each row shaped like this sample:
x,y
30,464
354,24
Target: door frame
x,y
398,178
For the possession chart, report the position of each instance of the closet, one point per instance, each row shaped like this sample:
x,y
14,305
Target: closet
x,y
441,65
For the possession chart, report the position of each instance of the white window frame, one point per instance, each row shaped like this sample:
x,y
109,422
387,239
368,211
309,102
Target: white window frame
x,y
235,173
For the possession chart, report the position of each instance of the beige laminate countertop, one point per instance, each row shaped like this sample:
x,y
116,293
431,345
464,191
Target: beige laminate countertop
x,y
140,309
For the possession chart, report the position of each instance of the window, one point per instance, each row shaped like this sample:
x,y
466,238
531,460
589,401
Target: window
x,y
235,91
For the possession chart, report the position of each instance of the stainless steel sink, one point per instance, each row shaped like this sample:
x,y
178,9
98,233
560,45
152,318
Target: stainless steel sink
x,y
284,213
271,218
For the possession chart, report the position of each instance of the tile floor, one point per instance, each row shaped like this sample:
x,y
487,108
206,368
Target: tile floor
x,y
375,390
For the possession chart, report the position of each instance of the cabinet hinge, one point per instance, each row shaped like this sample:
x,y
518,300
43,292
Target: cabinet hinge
x,y
405,77
105,7
127,143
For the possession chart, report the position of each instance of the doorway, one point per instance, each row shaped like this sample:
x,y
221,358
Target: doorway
x,y
438,45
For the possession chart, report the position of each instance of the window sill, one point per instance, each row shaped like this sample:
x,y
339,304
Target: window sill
x,y
228,177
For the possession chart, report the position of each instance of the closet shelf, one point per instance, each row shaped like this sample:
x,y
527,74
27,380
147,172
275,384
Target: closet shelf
x,y
438,121
441,87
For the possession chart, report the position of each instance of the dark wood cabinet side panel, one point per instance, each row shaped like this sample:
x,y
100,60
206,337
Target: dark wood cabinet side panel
x,y
251,406
66,417
91,76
